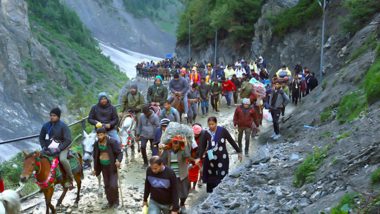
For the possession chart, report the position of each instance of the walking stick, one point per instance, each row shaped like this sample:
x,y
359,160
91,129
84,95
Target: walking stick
x,y
119,184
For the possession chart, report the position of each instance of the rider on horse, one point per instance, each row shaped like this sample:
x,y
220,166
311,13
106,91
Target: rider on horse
x,y
104,114
179,87
157,93
56,130
132,102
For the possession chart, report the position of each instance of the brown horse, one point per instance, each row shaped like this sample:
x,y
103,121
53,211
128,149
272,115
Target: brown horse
x,y
177,103
35,162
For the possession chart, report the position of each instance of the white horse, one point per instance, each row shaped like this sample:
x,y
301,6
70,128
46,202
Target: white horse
x,y
127,135
9,202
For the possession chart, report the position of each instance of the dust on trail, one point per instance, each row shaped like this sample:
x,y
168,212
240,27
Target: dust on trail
x,y
133,177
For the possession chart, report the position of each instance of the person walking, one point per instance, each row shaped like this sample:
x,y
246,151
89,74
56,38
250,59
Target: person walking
x,y
58,132
228,87
161,186
237,84
244,116
204,93
296,89
195,168
104,114
146,126
193,97
215,90
176,157
107,158
277,101
216,162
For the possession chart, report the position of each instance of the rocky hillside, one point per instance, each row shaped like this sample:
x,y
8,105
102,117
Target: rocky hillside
x,y
328,159
48,59
145,26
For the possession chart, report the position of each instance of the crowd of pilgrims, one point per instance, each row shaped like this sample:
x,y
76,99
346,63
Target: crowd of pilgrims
x,y
173,172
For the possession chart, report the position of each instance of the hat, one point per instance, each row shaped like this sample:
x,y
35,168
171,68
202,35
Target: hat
x,y
133,86
56,111
159,77
101,130
197,129
102,94
164,122
209,64
260,57
246,101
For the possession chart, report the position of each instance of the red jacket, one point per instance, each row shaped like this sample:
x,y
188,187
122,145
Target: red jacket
x,y
228,85
245,118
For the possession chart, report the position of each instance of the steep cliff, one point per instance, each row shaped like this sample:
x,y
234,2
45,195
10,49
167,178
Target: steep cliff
x,y
48,59
142,31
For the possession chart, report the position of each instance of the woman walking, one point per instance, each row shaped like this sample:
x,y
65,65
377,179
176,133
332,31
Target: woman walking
x,y
216,162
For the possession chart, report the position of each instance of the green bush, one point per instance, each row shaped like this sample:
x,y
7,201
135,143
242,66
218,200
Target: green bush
x,y
295,17
326,114
360,12
372,82
350,106
375,176
305,173
346,204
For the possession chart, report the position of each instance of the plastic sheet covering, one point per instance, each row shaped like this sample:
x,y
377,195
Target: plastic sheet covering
x,y
175,129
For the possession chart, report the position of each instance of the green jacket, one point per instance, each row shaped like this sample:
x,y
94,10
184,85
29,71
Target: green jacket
x,y
132,102
246,90
157,93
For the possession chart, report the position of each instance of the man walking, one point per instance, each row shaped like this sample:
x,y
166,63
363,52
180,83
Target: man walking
x,y
228,87
57,131
277,101
204,93
107,159
161,186
146,126
244,117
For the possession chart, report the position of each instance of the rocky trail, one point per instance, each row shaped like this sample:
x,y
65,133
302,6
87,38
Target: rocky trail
x,y
133,177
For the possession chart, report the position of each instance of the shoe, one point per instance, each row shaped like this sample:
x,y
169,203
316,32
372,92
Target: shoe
x,y
107,206
116,206
185,115
277,137
182,210
273,135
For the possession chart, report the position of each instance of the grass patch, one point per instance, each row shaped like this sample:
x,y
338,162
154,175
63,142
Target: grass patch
x,y
305,173
351,106
326,134
327,114
375,176
295,17
360,13
346,204
343,136
369,44
372,82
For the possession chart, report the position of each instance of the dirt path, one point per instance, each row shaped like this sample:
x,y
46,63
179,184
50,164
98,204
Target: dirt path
x,y
133,177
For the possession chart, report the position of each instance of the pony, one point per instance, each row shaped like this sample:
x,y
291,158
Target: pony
x,y
9,202
177,103
41,166
127,135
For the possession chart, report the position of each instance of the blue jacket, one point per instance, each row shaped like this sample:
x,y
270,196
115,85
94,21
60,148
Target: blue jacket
x,y
58,131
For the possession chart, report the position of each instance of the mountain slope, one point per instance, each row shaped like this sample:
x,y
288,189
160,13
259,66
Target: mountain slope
x,y
110,21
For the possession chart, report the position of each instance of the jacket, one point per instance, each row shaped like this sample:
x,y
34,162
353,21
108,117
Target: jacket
x,y
132,102
157,93
282,99
114,153
228,85
215,89
243,118
182,157
204,91
172,115
147,126
105,114
58,131
246,90
236,82
180,85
